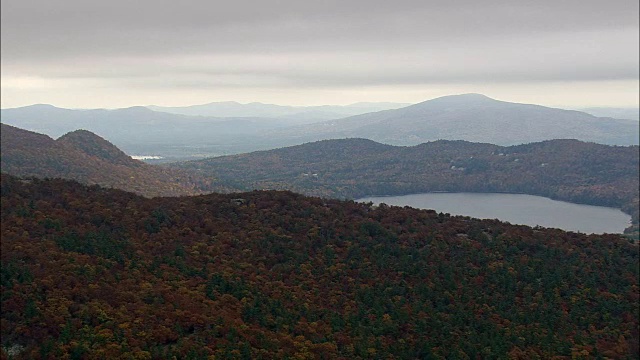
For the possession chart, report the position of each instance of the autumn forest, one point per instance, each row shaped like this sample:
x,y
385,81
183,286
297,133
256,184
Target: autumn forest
x,y
89,272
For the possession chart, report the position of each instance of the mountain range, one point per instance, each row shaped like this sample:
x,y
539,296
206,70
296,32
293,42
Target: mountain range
x,y
470,117
141,131
256,109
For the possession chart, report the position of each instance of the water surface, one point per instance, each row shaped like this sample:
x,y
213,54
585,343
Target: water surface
x,y
517,209
146,157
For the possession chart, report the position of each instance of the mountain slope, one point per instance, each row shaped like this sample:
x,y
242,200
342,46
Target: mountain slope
x,y
563,169
98,273
471,117
88,158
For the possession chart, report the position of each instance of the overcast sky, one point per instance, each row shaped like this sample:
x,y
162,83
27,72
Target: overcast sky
x,y
115,53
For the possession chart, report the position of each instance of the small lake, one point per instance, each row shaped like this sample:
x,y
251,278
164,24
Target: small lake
x,y
517,209
146,157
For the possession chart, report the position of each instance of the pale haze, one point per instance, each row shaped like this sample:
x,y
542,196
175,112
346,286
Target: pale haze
x,y
87,54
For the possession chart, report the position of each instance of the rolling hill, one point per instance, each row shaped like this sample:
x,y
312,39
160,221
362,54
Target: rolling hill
x,y
88,158
100,273
470,117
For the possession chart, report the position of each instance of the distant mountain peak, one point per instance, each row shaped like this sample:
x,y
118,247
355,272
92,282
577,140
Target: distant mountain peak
x,y
42,107
472,117
136,109
474,96
463,97
461,100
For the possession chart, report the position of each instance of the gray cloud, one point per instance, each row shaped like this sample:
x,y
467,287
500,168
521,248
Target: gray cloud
x,y
319,43
90,28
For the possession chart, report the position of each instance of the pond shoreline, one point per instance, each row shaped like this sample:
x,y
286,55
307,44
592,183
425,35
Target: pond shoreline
x,y
518,208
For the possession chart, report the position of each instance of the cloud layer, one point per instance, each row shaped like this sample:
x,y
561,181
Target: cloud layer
x,y
206,48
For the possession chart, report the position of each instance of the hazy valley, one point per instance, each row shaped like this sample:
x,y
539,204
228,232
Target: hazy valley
x,y
470,117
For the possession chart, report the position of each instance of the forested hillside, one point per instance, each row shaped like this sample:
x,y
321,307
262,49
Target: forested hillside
x,y
88,158
568,170
89,272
